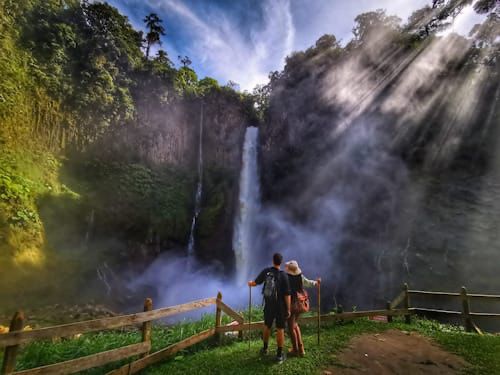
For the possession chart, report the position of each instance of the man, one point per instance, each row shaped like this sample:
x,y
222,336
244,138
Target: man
x,y
276,293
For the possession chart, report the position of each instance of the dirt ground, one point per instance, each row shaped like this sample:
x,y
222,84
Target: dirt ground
x,y
395,352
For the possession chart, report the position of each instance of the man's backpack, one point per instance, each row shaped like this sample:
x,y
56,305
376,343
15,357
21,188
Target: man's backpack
x,y
270,290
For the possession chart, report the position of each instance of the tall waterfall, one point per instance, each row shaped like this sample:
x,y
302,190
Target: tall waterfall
x,y
244,238
199,190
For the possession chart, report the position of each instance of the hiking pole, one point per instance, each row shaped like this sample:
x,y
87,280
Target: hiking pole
x,y
249,312
319,307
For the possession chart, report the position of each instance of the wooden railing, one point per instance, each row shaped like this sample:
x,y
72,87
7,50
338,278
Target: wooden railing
x,y
16,337
465,313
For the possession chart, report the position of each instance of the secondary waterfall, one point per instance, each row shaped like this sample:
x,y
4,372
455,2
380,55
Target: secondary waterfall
x,y
199,190
244,238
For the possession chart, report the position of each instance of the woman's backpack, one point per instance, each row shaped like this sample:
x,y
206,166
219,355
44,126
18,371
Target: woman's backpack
x,y
301,302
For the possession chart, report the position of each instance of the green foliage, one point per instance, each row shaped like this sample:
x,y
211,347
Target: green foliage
x,y
218,187
186,81
207,84
133,198
375,22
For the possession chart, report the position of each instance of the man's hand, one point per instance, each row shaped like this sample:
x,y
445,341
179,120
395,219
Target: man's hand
x,y
251,283
288,314
318,280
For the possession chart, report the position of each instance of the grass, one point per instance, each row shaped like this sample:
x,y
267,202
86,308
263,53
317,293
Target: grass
x,y
236,357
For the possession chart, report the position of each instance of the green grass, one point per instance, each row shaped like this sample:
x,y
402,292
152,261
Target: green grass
x,y
236,357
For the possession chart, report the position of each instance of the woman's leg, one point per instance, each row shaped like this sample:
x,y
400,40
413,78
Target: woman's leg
x,y
298,337
292,322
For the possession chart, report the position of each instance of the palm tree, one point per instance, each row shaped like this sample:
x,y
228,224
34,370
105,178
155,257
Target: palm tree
x,y
153,23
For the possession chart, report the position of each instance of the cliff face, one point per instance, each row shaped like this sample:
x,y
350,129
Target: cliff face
x,y
224,132
168,138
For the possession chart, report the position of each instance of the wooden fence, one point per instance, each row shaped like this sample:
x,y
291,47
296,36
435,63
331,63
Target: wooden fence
x,y
466,314
13,340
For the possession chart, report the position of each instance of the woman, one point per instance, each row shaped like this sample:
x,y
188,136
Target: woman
x,y
297,284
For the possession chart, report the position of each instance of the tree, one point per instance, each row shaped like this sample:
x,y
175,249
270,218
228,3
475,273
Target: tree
x,y
433,19
208,84
162,58
327,41
185,61
373,22
186,81
156,30
485,6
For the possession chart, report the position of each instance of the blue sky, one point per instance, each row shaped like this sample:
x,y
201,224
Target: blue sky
x,y
243,40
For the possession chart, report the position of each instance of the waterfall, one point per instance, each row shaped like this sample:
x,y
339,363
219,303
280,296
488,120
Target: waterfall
x,y
199,190
244,238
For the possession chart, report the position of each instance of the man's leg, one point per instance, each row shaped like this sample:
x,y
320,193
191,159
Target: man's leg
x,y
265,336
280,331
266,332
280,338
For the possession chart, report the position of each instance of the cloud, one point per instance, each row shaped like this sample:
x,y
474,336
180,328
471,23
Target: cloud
x,y
245,40
222,47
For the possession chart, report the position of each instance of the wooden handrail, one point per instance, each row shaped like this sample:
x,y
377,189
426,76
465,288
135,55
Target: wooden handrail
x,y
451,294
94,360
15,338
475,295
434,293
324,317
397,301
451,312
230,312
241,327
160,355
485,314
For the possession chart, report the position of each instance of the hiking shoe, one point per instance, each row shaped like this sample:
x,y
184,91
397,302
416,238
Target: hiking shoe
x,y
280,358
263,351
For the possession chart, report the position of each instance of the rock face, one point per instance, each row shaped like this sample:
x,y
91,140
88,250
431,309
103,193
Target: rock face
x,y
170,138
224,132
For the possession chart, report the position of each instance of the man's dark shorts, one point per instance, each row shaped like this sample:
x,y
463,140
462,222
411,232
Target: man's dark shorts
x,y
274,312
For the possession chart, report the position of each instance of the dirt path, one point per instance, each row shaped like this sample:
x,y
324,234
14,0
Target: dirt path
x,y
395,352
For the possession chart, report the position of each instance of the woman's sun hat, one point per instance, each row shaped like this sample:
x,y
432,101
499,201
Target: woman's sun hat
x,y
292,268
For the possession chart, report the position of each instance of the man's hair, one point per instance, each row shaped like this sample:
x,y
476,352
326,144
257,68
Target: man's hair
x,y
277,259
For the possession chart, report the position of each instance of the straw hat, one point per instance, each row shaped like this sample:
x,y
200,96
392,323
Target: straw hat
x,y
292,268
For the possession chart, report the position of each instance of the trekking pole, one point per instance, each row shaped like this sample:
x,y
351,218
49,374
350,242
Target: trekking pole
x,y
319,308
249,312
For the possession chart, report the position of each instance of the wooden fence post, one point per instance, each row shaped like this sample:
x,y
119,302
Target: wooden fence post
x,y
218,316
407,303
389,308
9,358
466,310
146,326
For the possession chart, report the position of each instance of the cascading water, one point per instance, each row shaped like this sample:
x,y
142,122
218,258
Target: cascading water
x,y
199,191
244,238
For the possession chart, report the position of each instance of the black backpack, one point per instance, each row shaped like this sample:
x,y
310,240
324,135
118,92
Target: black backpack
x,y
270,290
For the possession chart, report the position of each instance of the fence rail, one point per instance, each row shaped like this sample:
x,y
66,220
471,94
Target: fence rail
x,y
16,337
65,330
465,297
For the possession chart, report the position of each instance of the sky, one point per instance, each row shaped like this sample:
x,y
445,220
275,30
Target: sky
x,y
244,40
